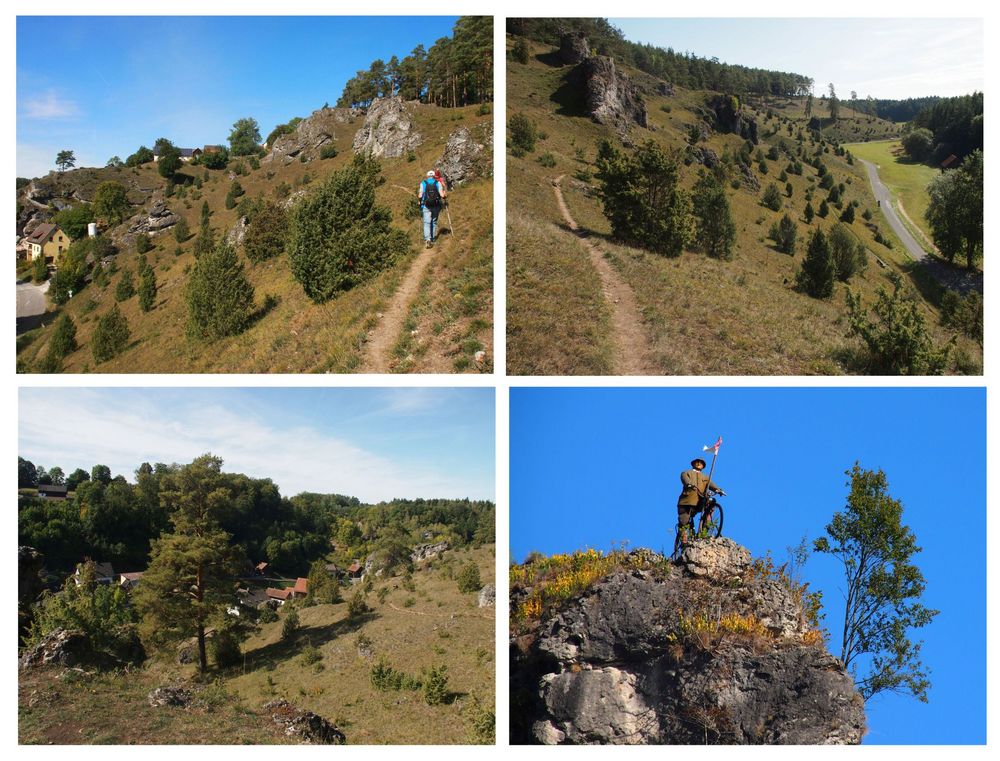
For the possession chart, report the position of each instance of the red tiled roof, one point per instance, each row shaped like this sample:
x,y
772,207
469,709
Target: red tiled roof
x,y
354,567
949,161
278,594
301,586
132,576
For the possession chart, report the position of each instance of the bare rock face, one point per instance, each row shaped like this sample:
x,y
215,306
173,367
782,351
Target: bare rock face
x,y
713,649
748,178
237,232
424,552
573,48
666,89
731,117
312,134
468,154
611,96
169,696
60,647
388,130
158,219
308,727
487,596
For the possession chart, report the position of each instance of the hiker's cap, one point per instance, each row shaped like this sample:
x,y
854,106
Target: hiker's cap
x,y
696,460
430,173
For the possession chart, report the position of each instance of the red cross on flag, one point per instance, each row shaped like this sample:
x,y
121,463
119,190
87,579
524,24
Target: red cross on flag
x,y
713,448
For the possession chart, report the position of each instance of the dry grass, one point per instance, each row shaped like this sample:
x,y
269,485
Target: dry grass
x,y
441,626
296,335
703,316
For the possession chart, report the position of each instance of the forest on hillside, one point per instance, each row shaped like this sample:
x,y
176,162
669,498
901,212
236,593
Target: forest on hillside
x,y
454,71
109,519
684,69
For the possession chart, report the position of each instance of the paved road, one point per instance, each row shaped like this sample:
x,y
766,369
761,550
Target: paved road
x,y
30,305
949,276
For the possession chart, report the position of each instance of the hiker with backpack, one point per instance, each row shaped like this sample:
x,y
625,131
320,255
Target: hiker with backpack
x,y
431,195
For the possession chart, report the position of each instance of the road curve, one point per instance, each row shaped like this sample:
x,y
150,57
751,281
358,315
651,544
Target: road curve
x,y
956,278
884,197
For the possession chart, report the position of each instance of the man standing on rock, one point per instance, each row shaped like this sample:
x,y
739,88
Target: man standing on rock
x,y
431,194
695,491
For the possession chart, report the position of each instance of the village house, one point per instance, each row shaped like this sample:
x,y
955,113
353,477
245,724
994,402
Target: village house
x,y
52,491
334,570
104,573
355,570
47,241
129,581
301,588
278,596
186,154
261,569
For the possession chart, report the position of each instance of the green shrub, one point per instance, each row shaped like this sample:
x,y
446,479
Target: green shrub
x,y
110,336
340,237
521,133
357,605
328,152
181,230
267,232
772,197
547,160
63,339
290,626
436,685
147,288
818,272
220,299
519,52
143,243
468,578
125,289
784,233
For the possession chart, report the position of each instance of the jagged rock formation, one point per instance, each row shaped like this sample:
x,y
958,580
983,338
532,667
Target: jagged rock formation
x,y
308,727
704,156
611,97
237,232
29,585
666,89
573,48
388,130
169,696
468,154
314,132
158,219
731,117
60,647
487,596
424,552
713,649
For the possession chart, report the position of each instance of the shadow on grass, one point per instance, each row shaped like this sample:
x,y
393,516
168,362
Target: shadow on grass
x,y
271,655
270,302
550,59
569,97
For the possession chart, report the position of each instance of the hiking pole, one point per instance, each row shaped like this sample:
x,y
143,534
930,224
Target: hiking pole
x,y
447,210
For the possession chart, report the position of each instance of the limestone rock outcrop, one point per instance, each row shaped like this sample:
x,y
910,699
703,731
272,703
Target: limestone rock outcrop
x,y
468,154
610,95
573,48
317,131
388,130
714,648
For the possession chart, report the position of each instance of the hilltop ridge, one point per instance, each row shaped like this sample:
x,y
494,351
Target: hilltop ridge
x,y
631,648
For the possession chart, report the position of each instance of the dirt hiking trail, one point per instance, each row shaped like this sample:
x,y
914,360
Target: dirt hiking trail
x,y
632,350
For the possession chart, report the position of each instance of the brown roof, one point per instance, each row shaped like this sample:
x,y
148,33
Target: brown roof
x,y
354,567
278,594
132,576
43,232
260,566
949,161
301,586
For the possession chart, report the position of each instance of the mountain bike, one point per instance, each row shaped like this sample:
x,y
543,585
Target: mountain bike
x,y
708,519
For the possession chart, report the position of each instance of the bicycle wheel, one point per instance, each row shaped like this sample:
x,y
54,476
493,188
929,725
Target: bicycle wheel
x,y
677,542
716,528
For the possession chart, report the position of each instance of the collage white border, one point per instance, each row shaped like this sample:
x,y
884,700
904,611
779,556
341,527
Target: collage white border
x,y
500,10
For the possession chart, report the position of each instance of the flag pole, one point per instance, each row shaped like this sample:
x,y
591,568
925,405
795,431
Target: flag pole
x,y
711,470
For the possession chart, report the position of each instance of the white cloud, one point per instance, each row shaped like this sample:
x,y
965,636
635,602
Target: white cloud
x,y
122,430
48,106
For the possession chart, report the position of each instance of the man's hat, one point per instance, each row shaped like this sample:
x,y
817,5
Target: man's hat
x,y
696,460
430,173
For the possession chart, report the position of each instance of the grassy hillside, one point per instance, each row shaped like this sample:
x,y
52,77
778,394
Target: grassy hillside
x,y
294,334
701,315
414,625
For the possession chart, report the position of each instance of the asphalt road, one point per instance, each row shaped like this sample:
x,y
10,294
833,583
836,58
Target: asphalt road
x,y
30,305
956,278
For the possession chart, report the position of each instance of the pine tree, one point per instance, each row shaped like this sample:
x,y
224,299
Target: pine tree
x,y
643,199
784,233
323,587
189,581
63,336
206,237
219,296
772,197
147,288
340,237
716,231
824,209
809,213
110,336
181,230
818,272
126,287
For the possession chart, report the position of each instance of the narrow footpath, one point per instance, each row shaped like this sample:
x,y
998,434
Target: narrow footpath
x,y
632,349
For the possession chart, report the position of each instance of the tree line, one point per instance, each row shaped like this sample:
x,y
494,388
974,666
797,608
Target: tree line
x,y
110,519
455,71
684,69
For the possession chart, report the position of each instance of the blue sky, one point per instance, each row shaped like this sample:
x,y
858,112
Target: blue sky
x,y
115,83
374,444
884,58
589,467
